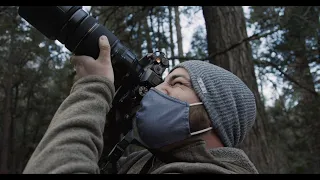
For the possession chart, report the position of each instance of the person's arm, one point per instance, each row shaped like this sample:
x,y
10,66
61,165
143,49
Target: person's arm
x,y
73,142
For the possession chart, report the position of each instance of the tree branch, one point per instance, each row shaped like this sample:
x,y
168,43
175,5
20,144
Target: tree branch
x,y
187,58
142,13
4,42
109,15
100,13
251,38
3,9
90,11
307,11
285,75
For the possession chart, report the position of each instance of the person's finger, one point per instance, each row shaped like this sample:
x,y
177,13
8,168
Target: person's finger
x,y
76,60
104,55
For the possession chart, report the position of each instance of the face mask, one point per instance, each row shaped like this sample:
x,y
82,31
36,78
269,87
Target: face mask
x,y
162,120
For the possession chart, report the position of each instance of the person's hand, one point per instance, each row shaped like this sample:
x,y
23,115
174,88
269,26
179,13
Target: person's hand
x,y
86,65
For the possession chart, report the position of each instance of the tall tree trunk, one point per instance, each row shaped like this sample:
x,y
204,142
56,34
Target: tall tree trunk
x,y
7,116
299,69
225,27
139,40
7,120
24,142
308,103
164,45
301,73
151,27
178,29
171,35
158,31
13,143
148,37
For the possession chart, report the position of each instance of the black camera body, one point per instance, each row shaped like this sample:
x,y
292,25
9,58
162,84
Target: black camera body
x,y
80,32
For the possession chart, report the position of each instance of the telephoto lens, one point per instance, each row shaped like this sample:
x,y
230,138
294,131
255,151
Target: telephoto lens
x,y
70,25
80,33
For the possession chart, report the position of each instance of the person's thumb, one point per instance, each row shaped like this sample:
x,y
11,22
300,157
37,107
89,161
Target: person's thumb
x,y
104,55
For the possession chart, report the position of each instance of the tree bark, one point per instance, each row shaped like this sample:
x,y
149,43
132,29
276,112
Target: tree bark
x,y
13,133
164,45
158,32
7,120
308,103
139,40
178,29
226,26
171,35
7,116
148,37
24,142
299,69
151,27
301,73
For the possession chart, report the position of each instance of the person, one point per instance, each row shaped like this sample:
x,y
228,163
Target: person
x,y
190,123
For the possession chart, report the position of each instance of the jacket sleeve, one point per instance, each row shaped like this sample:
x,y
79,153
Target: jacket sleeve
x,y
73,142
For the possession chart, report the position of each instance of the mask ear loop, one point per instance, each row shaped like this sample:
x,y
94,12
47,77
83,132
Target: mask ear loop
x,y
195,104
201,131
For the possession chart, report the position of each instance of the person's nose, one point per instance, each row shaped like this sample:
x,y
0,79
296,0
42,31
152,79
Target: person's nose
x,y
163,87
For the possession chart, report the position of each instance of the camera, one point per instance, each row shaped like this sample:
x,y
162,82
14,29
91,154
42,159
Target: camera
x,y
80,32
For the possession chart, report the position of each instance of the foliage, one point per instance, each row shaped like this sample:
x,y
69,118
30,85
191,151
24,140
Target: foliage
x,y
34,65
291,54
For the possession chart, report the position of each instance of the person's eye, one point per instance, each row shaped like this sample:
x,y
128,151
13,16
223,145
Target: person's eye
x,y
177,83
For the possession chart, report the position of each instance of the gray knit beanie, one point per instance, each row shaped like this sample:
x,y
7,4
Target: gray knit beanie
x,y
228,101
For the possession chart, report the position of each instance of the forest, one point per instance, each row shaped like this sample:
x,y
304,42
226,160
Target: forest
x,y
275,50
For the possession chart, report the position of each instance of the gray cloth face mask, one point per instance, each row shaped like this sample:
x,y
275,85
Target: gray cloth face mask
x,y
162,120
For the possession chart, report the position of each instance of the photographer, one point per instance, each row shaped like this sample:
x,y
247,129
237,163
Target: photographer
x,y
191,123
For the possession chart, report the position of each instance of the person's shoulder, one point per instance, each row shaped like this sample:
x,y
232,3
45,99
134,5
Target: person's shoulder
x,y
234,158
228,153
